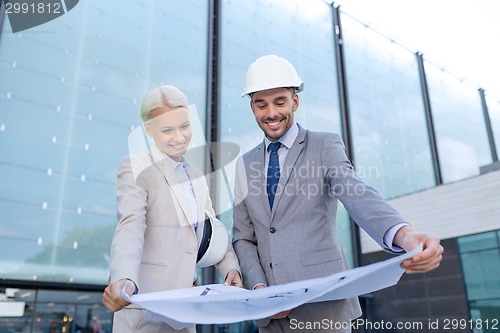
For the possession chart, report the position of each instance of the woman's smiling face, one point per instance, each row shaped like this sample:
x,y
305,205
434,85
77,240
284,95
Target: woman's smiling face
x,y
171,130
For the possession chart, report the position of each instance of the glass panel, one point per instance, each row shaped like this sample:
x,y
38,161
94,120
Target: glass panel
x,y
20,310
485,315
65,118
293,30
301,32
93,318
478,242
55,311
494,112
481,268
389,131
28,185
481,272
52,317
462,140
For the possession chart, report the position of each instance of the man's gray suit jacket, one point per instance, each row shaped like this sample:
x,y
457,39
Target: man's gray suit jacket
x,y
297,239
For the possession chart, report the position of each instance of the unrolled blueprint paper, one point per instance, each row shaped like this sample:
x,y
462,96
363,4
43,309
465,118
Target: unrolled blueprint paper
x,y
219,304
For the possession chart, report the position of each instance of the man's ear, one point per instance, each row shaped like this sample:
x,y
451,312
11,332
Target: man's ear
x,y
251,104
295,102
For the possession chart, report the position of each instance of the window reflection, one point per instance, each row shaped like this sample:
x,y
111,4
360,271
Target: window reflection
x,y
480,256
302,32
390,139
50,311
66,117
459,125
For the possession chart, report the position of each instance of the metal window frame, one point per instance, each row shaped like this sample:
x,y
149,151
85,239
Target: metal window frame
x,y
345,116
209,274
489,128
438,177
50,285
2,16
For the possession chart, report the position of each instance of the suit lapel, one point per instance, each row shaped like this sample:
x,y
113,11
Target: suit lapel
x,y
182,208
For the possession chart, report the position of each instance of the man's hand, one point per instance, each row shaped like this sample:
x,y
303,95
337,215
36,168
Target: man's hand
x,y
233,278
425,261
279,315
112,298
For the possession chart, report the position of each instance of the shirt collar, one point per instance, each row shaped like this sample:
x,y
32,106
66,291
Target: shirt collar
x,y
175,164
287,139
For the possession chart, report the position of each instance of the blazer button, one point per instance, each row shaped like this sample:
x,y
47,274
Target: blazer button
x,y
271,265
272,230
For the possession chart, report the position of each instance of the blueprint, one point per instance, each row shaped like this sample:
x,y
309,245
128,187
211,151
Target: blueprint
x,y
219,304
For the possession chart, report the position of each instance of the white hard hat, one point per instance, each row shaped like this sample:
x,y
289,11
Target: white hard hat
x,y
270,72
214,242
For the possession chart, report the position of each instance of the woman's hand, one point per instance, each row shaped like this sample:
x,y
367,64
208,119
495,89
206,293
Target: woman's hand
x,y
233,278
112,297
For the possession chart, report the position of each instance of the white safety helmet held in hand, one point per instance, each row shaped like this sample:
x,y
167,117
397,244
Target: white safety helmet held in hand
x,y
214,242
270,72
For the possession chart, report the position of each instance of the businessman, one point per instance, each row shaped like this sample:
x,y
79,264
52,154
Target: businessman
x,y
286,193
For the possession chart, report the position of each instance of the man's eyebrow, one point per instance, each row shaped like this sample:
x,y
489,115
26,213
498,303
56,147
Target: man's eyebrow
x,y
260,100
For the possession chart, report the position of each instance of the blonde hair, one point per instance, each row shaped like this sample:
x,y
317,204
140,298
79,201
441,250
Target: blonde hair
x,y
163,96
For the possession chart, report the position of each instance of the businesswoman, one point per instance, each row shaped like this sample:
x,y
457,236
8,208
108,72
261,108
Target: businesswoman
x,y
162,205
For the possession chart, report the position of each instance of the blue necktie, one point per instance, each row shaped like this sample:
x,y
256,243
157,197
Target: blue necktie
x,y
273,172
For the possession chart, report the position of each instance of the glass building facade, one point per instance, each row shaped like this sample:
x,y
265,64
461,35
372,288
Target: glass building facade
x,y
388,124
70,92
480,256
